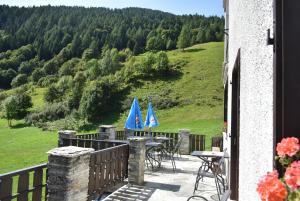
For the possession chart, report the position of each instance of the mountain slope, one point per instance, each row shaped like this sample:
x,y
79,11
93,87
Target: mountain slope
x,y
198,90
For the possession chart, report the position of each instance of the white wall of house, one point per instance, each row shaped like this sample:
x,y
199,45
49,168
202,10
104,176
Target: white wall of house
x,y
249,21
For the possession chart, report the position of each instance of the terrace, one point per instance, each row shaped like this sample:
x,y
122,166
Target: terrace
x,y
166,185
94,166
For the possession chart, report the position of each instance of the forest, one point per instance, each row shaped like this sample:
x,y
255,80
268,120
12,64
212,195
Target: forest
x,y
85,56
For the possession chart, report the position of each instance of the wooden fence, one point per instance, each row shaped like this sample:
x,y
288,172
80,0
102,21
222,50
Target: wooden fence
x,y
88,136
108,164
108,167
197,142
91,143
217,142
25,184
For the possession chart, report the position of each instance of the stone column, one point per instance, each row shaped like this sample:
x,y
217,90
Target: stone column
x,y
136,162
67,134
108,130
184,148
68,173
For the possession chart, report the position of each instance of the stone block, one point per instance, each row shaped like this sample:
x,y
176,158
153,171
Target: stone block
x,y
136,162
68,173
184,148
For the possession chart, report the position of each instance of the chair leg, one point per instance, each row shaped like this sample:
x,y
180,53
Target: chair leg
x,y
218,188
173,162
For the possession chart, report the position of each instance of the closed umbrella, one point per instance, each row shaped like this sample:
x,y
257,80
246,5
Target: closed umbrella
x,y
151,120
134,119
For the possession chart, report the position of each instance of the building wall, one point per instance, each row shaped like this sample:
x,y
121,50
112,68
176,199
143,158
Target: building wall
x,y
249,21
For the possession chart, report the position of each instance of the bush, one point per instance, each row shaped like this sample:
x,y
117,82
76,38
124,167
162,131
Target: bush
x,y
146,66
47,81
68,68
64,84
37,75
53,94
99,98
19,80
162,63
50,112
164,102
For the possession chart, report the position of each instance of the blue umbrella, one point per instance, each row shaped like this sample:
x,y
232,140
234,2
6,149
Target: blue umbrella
x,y
134,119
151,120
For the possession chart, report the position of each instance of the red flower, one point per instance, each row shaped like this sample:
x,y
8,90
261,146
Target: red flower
x,y
288,146
270,188
292,175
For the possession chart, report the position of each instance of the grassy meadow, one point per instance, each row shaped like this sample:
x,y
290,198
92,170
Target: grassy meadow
x,y
198,87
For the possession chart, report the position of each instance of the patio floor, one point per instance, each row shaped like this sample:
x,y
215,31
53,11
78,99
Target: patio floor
x,y
165,185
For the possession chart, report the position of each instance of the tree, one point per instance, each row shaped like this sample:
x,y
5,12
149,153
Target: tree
x,y
37,75
16,107
147,64
99,98
52,94
162,63
19,80
77,90
184,39
9,108
110,62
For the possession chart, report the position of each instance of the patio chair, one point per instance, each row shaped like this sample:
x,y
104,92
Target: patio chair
x,y
217,170
224,197
171,151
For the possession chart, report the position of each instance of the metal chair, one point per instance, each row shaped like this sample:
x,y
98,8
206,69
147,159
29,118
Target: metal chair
x,y
171,151
224,197
215,170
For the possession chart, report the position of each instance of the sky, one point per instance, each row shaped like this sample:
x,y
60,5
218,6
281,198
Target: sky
x,y
205,7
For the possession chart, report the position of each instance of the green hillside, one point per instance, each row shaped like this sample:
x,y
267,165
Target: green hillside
x,y
195,89
198,90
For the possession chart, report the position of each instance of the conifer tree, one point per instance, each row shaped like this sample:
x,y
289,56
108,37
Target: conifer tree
x,y
184,38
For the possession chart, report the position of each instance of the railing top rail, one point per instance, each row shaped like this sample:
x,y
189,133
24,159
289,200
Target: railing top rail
x,y
86,134
111,141
21,171
197,134
110,148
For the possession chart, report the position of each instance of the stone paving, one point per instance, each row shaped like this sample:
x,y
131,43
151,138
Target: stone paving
x,y
165,185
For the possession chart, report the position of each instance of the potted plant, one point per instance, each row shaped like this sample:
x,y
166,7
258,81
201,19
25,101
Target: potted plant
x,y
272,188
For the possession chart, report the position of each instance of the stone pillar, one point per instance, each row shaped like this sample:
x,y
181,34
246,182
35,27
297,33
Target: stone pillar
x,y
67,134
184,148
68,173
108,130
136,162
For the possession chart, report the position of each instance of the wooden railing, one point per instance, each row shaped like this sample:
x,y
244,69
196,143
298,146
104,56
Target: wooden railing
x,y
91,143
88,136
25,184
197,142
108,167
217,142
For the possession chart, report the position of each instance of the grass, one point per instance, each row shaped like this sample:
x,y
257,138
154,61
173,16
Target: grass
x,y
198,88
23,146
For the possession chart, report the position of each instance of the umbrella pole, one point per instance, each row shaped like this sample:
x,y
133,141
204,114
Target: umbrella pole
x,y
150,134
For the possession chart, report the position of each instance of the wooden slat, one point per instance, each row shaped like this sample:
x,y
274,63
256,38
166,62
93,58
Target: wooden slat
x,y
23,187
107,171
98,172
112,166
5,189
37,185
81,143
92,174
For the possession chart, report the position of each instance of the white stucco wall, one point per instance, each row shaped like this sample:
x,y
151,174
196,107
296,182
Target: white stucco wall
x,y
248,24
